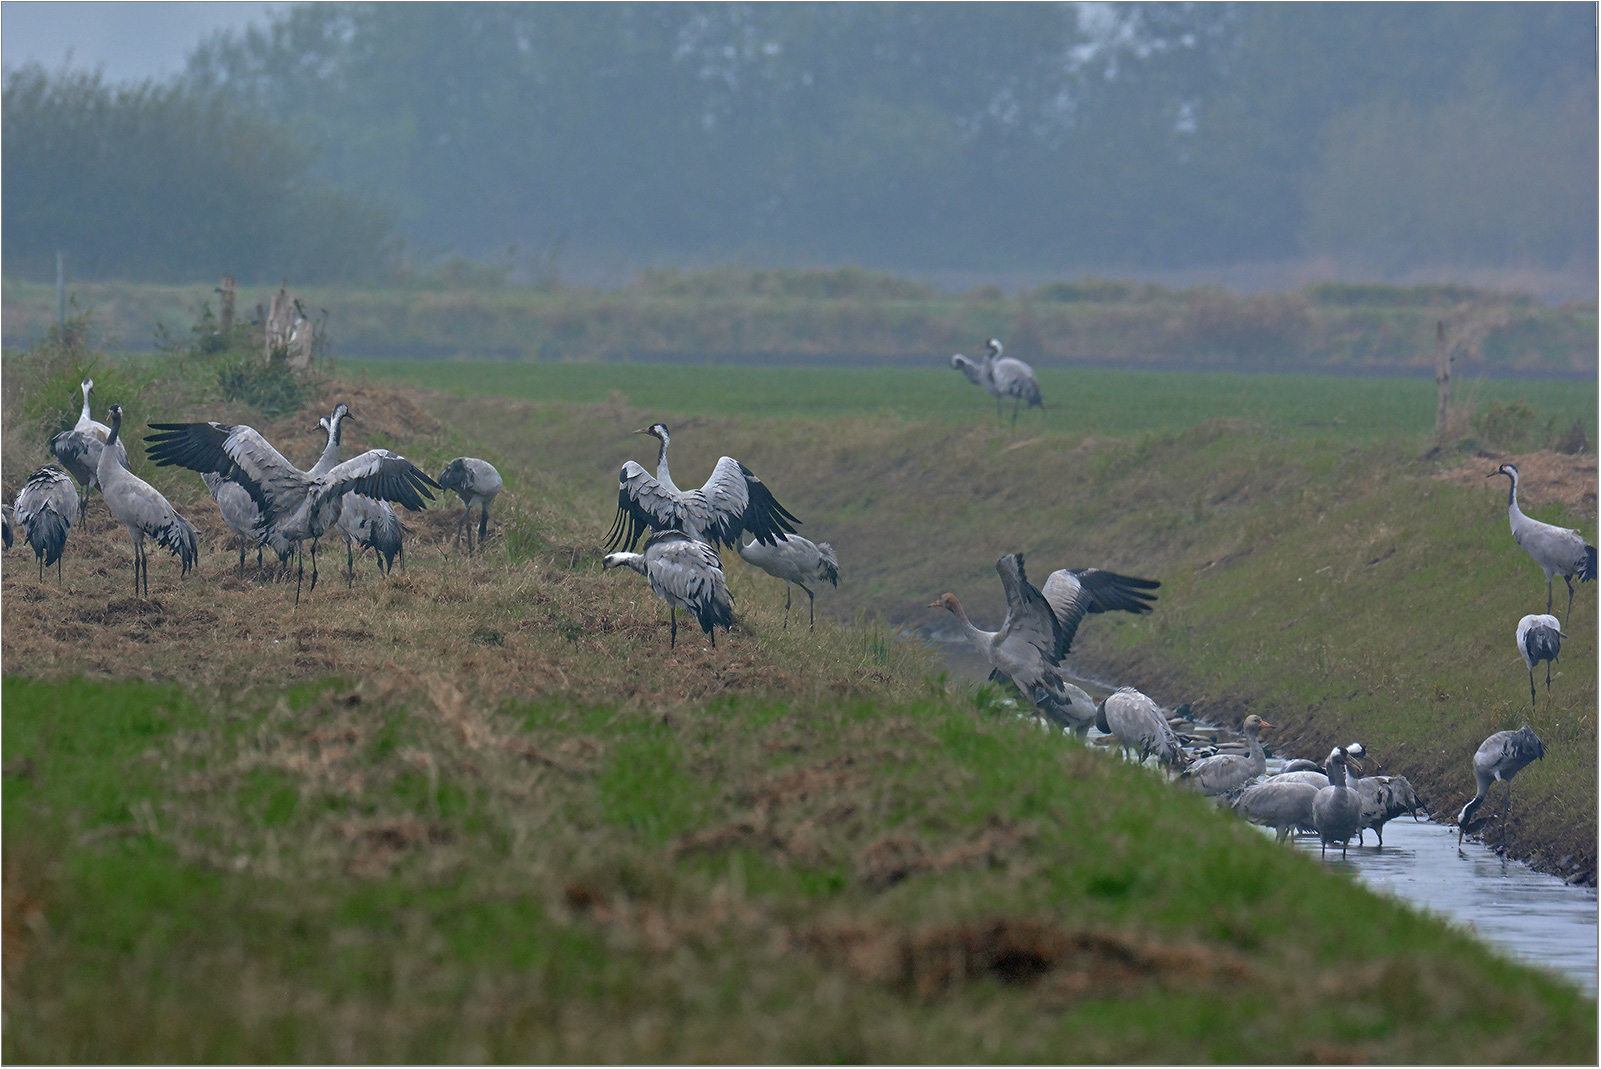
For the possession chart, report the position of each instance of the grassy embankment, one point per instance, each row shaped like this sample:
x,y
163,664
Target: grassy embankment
x,y
855,315
518,827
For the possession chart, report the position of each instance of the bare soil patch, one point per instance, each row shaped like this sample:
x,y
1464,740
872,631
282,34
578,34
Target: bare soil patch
x,y
1544,478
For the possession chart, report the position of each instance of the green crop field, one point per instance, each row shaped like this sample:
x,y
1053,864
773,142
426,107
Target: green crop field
x,y
479,811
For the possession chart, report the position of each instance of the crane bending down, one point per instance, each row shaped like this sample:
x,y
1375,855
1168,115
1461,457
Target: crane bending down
x,y
1383,799
1558,550
682,571
732,501
1539,639
140,507
297,505
1226,773
1281,804
78,450
1138,724
476,482
795,560
1002,378
1499,757
45,509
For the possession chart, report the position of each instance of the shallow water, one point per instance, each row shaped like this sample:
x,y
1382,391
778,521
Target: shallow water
x,y
1528,915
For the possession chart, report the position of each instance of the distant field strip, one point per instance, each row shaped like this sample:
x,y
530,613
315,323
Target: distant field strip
x,y
1078,400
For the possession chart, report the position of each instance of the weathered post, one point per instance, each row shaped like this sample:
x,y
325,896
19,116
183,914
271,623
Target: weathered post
x,y
1442,377
229,292
280,320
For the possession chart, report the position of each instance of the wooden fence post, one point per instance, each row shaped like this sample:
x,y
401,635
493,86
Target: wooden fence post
x,y
229,292
1442,377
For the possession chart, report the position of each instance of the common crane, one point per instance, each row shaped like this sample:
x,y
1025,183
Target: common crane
x,y
1539,639
1226,773
732,501
244,518
1383,799
1337,808
1281,804
78,449
7,519
476,482
366,522
1138,724
297,505
1558,550
1002,378
1499,757
45,509
1028,648
140,508
682,571
795,560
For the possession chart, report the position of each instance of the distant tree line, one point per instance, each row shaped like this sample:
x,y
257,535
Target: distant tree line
x,y
913,136
170,183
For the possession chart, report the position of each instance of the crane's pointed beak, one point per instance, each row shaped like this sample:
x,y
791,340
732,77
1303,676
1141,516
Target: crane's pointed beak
x,y
642,430
1266,724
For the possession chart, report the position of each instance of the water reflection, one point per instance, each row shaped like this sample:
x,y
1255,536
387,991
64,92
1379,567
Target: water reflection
x,y
1531,916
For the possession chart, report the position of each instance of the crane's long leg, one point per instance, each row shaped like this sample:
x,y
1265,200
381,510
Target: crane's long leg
x,y
1547,679
241,556
1568,579
1532,700
300,569
1017,405
672,614
314,542
483,524
1548,594
350,566
811,605
787,595
713,635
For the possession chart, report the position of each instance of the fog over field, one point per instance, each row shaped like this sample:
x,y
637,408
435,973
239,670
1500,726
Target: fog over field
x,y
1256,146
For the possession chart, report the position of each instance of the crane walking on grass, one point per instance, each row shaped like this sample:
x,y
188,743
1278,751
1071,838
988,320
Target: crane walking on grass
x,y
731,502
78,450
795,560
1002,378
1558,550
140,508
476,482
1499,757
45,510
1539,639
682,571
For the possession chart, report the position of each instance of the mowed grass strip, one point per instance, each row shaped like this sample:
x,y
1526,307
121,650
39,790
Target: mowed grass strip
x,y
345,872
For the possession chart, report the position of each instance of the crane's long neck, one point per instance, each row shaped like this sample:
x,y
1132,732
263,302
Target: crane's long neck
x,y
663,476
983,641
1336,774
84,416
330,452
1513,512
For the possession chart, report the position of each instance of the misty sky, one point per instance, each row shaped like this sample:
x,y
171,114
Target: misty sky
x,y
128,41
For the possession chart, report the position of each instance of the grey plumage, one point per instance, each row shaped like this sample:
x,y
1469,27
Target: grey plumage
x,y
1002,377
1279,803
1074,593
367,524
795,560
476,482
243,517
1229,772
297,505
1138,724
730,503
1383,799
682,571
45,510
1499,757
1539,639
140,508
78,449
1557,550
7,519
1028,648
1337,808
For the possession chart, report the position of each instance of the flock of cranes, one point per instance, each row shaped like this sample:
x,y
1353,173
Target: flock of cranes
x,y
269,504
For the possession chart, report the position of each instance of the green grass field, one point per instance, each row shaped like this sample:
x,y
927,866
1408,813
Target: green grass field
x,y
480,812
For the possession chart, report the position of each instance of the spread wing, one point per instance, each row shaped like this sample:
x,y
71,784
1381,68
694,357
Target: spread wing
x,y
692,572
380,474
1028,614
737,501
643,504
79,453
236,452
1075,592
